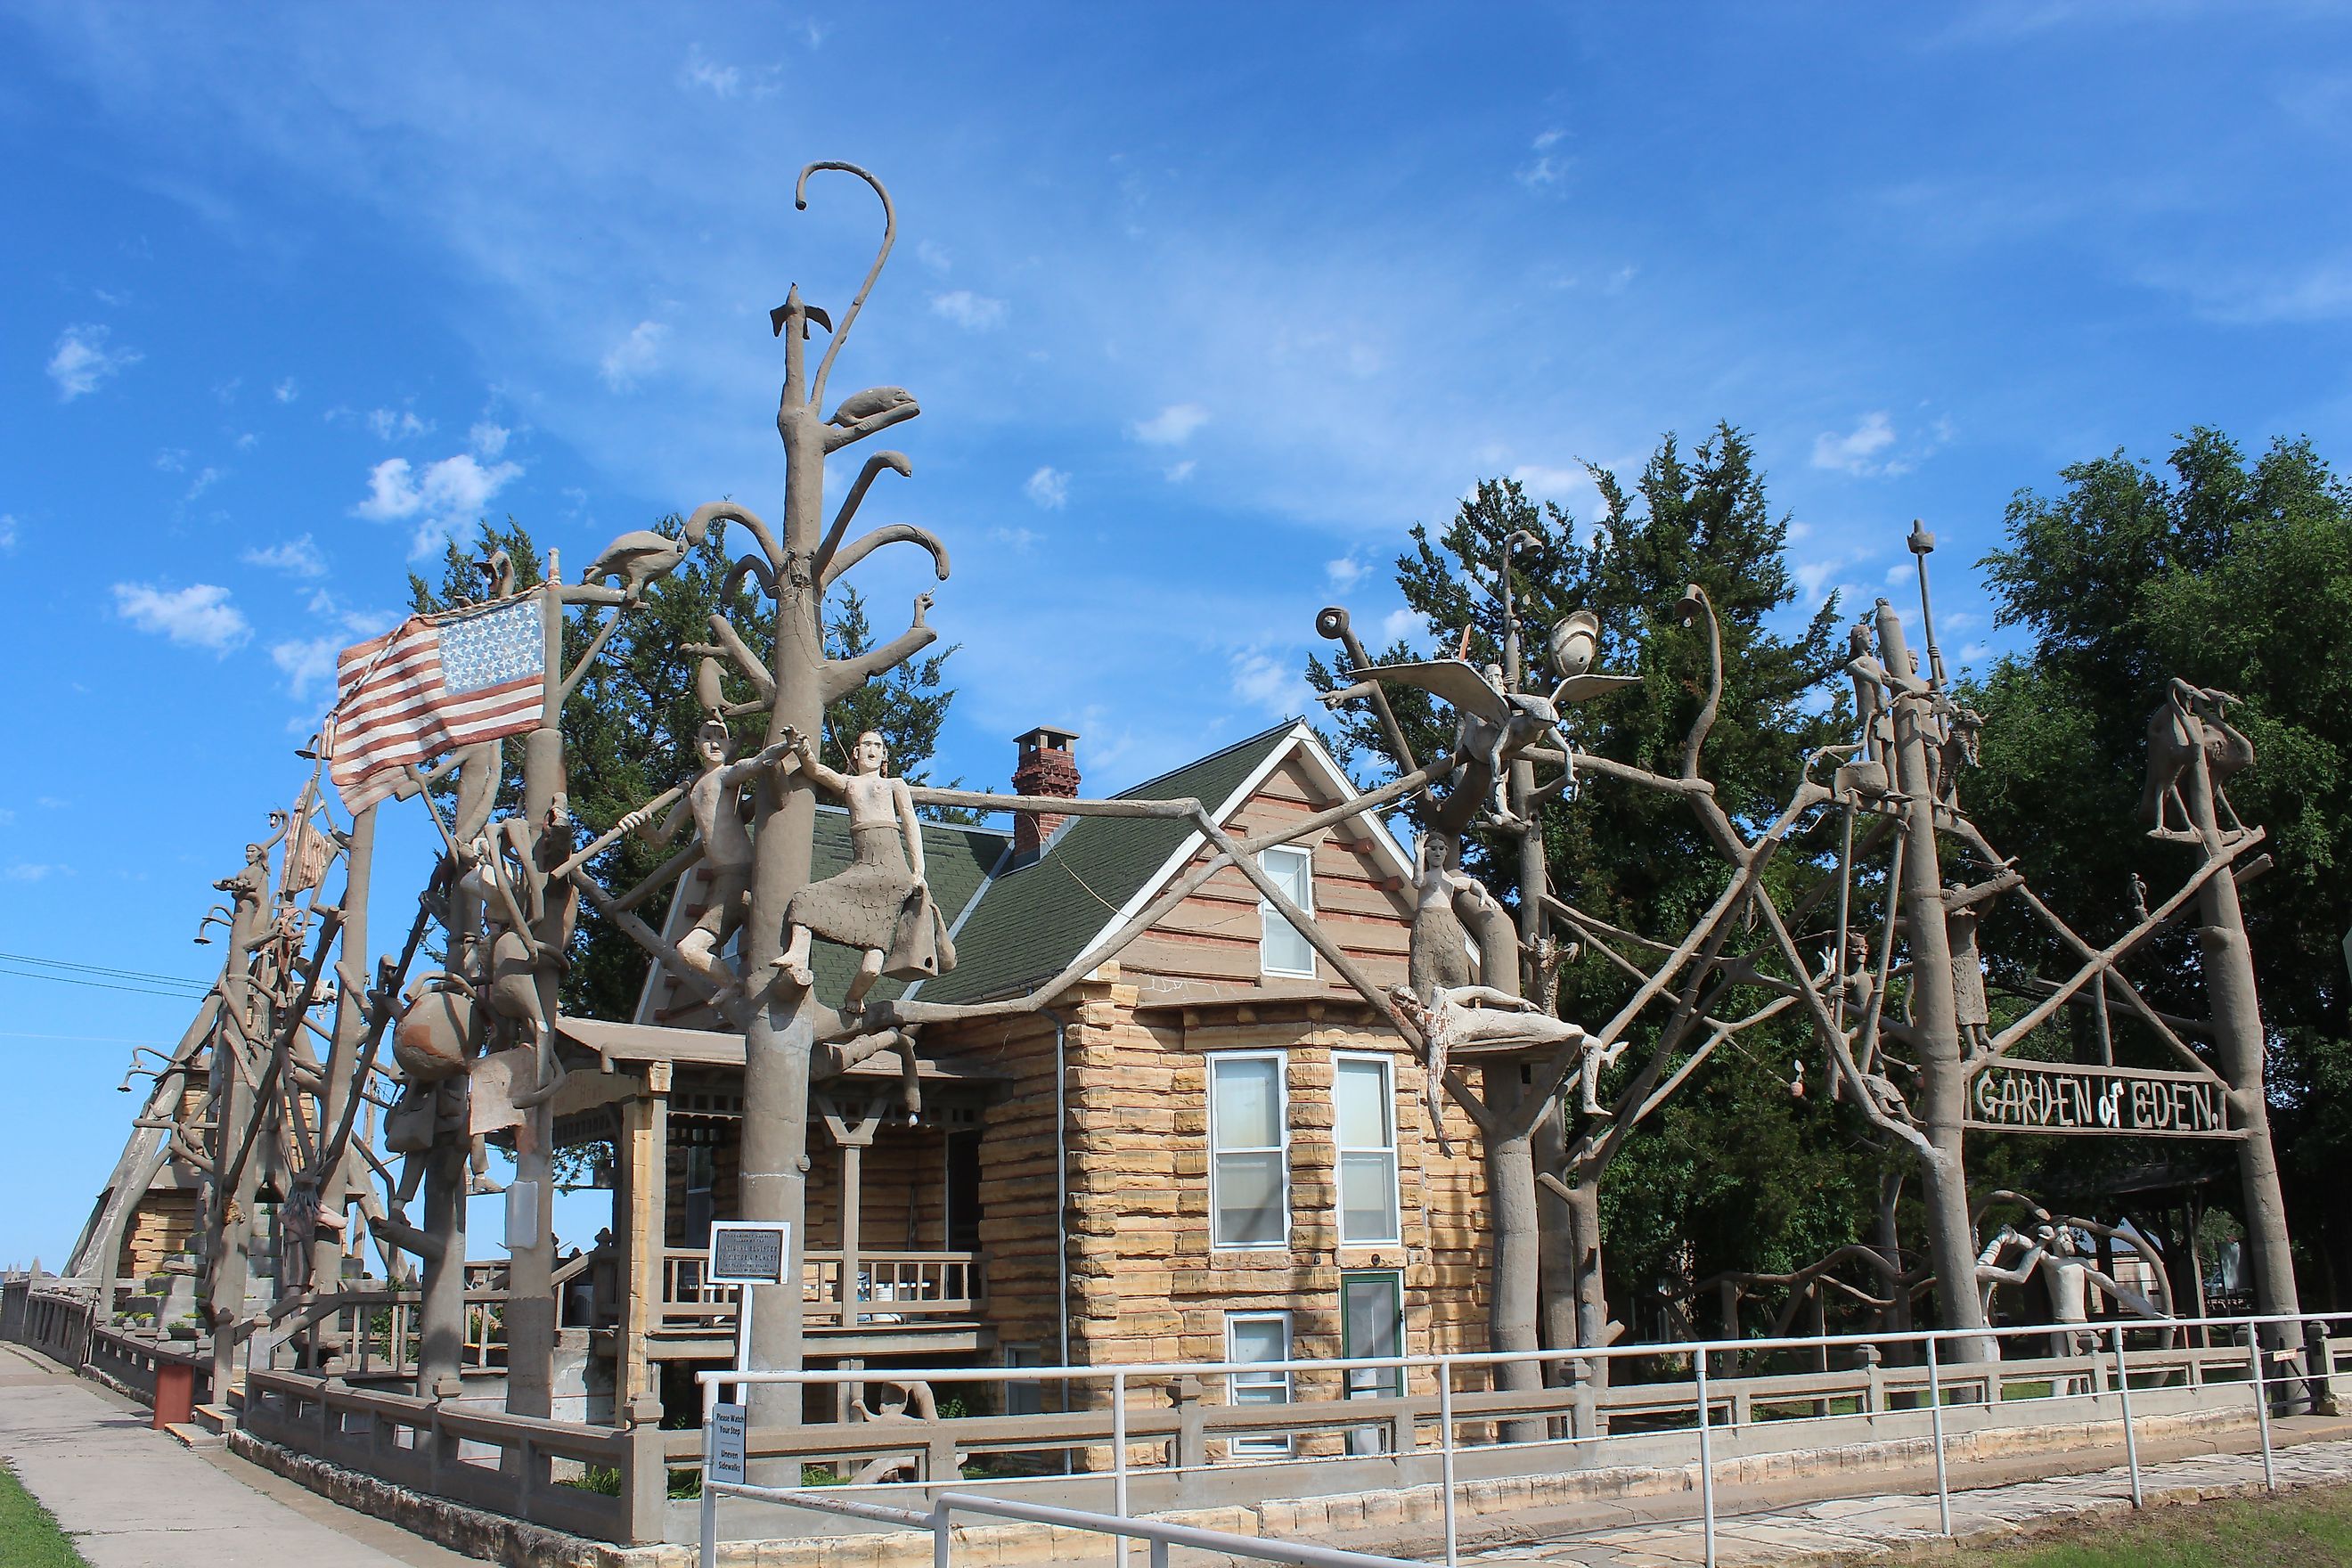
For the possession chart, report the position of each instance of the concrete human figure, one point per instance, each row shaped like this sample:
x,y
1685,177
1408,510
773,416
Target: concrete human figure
x,y
2066,1275
880,905
1482,1018
714,804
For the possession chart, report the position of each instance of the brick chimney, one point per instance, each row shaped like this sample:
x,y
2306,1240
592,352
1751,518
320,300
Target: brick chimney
x,y
1048,765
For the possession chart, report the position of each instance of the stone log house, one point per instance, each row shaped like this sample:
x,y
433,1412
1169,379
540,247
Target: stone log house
x,y
1208,1150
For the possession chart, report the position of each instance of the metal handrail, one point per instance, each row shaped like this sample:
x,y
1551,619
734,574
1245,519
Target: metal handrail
x,y
1940,1375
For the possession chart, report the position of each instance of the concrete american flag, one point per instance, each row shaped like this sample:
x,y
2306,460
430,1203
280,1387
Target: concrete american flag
x,y
431,685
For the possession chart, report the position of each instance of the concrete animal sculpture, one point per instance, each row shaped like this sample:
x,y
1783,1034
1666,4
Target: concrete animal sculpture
x,y
2191,719
641,555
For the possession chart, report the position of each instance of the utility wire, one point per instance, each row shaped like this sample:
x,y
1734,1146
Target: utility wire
x,y
100,969
101,985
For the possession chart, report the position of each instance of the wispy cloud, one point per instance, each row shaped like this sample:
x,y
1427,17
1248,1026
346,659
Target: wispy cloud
x,y
8,530
31,871
1545,167
634,356
1049,488
1858,450
82,362
305,662
441,498
973,312
287,391
1268,680
486,439
1171,426
297,557
198,615
401,425
1345,572
1177,473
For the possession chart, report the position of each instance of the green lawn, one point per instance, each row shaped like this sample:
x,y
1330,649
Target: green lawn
x,y
2310,1529
29,1538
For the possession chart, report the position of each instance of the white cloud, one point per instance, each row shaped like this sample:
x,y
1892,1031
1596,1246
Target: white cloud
x,y
973,312
719,81
1177,473
1814,577
488,440
441,498
8,530
1544,169
305,662
248,441
1799,531
1345,572
198,615
1856,452
934,255
172,459
1265,680
296,558
635,355
287,391
391,426
1902,572
1402,625
1551,484
1049,488
1020,540
1171,426
81,361
205,480
23,871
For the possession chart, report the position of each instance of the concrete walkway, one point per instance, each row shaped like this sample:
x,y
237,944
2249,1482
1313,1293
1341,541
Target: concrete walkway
x,y
1904,1526
133,1498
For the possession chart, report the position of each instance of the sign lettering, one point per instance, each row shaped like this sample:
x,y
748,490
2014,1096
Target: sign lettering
x,y
745,1253
727,1466
2054,1097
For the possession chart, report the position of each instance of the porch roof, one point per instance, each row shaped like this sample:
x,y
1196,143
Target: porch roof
x,y
619,1043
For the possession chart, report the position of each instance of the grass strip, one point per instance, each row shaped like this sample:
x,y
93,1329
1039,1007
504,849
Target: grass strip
x,y
2310,1529
29,1536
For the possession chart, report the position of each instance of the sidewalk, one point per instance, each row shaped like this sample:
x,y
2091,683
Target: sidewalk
x,y
131,1498
1904,1526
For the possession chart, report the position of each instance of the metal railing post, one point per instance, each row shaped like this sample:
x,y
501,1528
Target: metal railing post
x,y
2131,1440
1446,1454
1118,1466
1705,1460
1936,1420
709,1521
2262,1406
939,1528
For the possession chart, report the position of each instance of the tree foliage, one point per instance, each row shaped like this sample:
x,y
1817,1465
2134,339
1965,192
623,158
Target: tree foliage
x,y
2231,574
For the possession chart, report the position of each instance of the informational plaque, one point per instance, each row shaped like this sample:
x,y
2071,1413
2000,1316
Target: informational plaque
x,y
747,1252
2066,1097
727,1447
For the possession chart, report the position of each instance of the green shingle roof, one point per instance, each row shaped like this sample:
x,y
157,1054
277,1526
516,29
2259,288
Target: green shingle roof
x,y
1029,920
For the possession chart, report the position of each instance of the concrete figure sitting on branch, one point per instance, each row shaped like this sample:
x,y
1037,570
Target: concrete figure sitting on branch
x,y
880,905
2067,1275
714,803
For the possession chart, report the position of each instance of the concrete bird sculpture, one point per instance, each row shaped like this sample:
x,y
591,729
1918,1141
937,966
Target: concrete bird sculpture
x,y
637,557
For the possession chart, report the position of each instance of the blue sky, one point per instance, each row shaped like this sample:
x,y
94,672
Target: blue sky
x,y
1205,305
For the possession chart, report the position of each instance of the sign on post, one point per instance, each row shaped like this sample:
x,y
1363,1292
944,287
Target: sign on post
x,y
747,1252
727,1463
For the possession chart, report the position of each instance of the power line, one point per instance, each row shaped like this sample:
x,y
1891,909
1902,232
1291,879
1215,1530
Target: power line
x,y
102,985
102,969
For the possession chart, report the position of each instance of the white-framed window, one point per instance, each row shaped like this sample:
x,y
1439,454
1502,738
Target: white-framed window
x,y
1249,1150
1258,1337
1364,1123
1282,948
1024,1395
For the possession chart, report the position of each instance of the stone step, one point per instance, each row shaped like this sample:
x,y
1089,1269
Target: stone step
x,y
191,1436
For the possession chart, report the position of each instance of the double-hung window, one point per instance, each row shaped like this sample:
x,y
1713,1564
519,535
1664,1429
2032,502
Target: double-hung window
x,y
1363,1114
1259,1337
1249,1161
1282,948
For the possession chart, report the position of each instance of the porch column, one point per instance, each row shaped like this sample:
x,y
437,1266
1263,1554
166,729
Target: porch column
x,y
645,1172
853,1138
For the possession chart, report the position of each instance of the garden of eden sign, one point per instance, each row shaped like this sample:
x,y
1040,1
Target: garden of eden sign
x,y
2066,1097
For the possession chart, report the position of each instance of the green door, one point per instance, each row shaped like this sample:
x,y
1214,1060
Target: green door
x,y
1371,1323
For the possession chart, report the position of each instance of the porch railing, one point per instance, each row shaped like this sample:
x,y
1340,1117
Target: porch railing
x,y
900,1288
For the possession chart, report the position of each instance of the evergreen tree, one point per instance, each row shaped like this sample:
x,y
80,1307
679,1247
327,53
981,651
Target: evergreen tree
x,y
1753,1177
